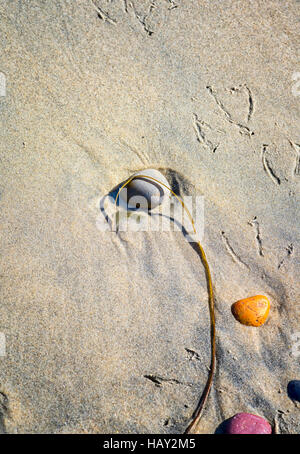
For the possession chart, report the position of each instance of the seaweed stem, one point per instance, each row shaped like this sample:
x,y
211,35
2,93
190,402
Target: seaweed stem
x,y
193,427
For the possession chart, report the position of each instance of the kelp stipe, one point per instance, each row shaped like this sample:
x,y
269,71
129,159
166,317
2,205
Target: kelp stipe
x,y
194,424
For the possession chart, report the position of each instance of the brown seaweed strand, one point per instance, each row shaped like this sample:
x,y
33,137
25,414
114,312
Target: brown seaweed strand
x,y
193,427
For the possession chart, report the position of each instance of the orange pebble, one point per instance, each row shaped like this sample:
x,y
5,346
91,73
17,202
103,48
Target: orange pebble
x,y
252,311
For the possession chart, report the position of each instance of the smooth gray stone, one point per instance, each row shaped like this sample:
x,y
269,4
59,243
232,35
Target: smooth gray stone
x,y
145,193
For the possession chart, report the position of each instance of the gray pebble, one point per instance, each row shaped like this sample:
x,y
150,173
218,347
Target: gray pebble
x,y
143,193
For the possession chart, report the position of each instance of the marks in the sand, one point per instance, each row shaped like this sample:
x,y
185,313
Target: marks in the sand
x,y
296,148
256,226
169,4
168,422
4,410
245,90
102,14
200,126
235,257
172,4
243,128
159,381
192,355
278,162
268,167
149,14
251,103
289,251
209,135
145,18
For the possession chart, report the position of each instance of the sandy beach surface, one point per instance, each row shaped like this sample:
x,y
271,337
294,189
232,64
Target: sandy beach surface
x,y
107,332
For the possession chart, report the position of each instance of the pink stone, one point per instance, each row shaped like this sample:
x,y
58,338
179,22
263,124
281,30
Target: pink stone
x,y
246,423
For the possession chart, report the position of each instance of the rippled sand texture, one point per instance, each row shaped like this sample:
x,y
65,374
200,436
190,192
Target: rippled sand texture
x,y
109,332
